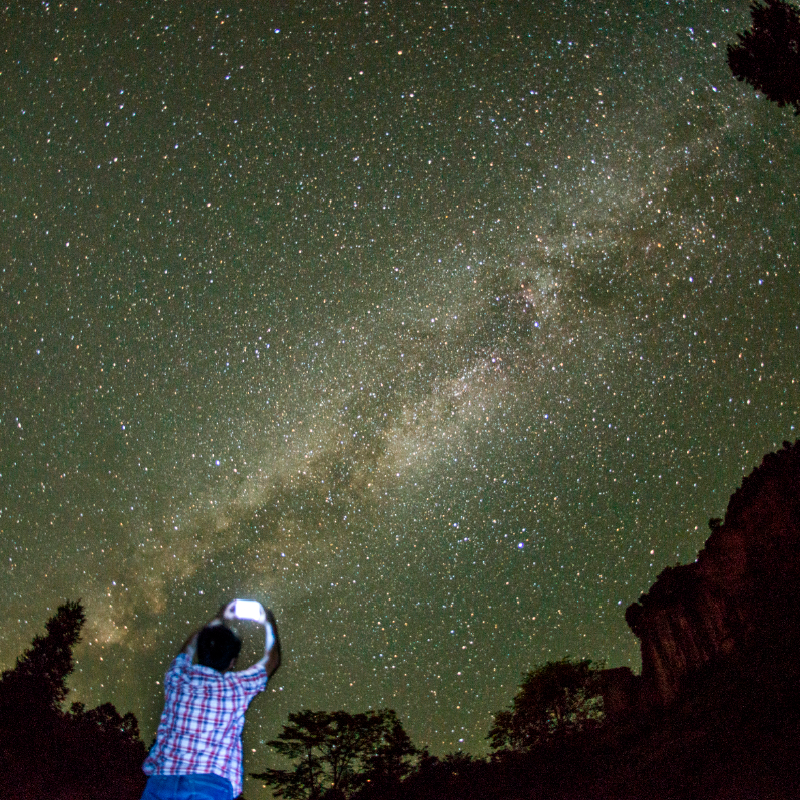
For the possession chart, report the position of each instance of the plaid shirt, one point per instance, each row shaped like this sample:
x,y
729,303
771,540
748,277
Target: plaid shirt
x,y
201,728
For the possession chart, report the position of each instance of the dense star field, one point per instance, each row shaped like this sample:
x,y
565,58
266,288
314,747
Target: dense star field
x,y
440,328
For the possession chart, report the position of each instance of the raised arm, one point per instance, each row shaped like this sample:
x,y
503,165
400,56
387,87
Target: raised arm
x,y
190,645
271,659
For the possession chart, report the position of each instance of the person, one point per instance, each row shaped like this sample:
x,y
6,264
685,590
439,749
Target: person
x,y
197,753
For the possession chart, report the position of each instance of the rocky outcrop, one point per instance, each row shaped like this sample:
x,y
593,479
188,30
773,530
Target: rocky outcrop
x,y
744,584
619,688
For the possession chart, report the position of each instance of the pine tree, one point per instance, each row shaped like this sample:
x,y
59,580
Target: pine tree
x,y
47,753
38,681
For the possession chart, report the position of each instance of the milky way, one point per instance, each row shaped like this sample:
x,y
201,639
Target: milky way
x,y
442,328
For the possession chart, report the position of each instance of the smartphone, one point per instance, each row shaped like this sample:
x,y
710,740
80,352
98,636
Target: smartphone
x,y
248,609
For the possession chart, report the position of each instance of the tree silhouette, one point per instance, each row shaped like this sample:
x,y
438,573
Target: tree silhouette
x,y
336,753
557,699
46,752
768,56
38,681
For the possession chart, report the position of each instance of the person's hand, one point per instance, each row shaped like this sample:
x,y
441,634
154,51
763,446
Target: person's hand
x,y
226,611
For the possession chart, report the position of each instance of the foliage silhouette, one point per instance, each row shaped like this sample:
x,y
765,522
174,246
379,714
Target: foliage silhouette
x,y
768,56
46,752
732,729
336,753
38,681
556,699
456,775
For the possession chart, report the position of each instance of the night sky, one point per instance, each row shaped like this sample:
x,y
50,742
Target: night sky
x,y
440,328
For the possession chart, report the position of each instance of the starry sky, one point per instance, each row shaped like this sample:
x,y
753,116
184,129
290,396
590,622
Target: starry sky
x,y
439,327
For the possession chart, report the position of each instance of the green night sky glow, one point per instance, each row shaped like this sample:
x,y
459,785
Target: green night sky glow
x,y
441,328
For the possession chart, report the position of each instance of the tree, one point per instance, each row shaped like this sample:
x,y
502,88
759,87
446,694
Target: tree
x,y
768,56
336,753
557,699
38,681
456,775
105,753
46,752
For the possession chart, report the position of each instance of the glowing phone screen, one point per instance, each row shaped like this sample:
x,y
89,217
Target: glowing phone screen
x,y
248,609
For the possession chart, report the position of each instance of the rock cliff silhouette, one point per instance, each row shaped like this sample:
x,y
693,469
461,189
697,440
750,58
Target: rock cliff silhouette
x,y
741,591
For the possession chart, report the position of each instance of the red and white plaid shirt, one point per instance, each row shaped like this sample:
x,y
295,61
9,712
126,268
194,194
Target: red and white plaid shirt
x,y
201,728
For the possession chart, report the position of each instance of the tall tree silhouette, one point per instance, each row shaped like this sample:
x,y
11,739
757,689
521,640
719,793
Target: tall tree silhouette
x,y
38,681
46,752
768,56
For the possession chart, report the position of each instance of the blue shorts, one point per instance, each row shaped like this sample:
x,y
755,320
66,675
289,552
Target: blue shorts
x,y
187,787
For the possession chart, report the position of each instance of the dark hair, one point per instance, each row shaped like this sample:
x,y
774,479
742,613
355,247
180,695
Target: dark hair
x,y
217,646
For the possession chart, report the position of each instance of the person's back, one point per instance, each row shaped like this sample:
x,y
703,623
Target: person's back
x,y
198,747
